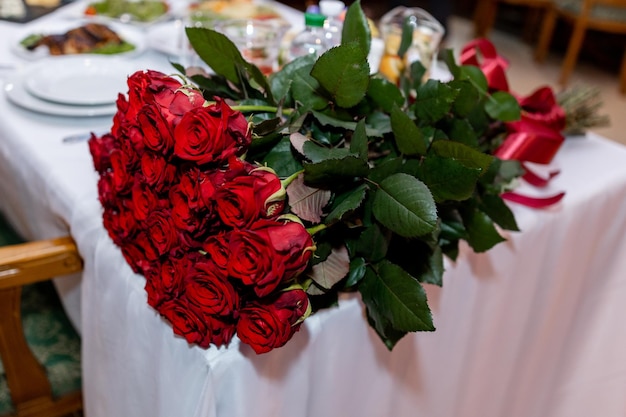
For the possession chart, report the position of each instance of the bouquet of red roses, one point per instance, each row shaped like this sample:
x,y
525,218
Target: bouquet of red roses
x,y
204,226
249,202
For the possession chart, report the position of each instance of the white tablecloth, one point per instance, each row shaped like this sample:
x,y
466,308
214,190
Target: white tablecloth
x,y
533,328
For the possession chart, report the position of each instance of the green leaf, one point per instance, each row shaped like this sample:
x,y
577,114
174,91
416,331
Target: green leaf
x,y
217,51
358,142
280,82
448,57
281,159
409,137
395,295
385,169
467,99
221,54
385,94
475,76
406,39
498,211
503,106
466,156
357,272
344,73
433,101
448,179
482,235
434,268
331,121
405,205
462,131
333,269
356,28
333,170
347,203
372,244
316,153
305,89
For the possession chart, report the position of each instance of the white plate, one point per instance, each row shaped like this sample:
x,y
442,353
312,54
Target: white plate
x,y
78,80
17,93
127,33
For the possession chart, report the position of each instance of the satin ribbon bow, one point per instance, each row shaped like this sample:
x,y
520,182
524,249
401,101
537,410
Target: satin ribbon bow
x,y
492,65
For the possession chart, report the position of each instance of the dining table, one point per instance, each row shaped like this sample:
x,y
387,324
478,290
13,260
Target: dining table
x,y
532,328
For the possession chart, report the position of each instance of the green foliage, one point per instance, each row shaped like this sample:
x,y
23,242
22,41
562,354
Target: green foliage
x,y
409,167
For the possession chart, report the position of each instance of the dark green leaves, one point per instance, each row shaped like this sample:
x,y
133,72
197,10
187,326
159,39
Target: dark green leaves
x,y
356,28
503,106
344,73
433,101
396,302
405,205
409,137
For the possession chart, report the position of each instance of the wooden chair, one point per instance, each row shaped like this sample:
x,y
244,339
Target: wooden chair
x,y
601,15
23,266
486,11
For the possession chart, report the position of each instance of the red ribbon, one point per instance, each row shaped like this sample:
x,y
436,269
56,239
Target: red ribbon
x,y
537,136
530,141
534,202
541,107
493,65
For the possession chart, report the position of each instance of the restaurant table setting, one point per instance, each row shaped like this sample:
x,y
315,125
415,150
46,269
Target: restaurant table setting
x,y
530,328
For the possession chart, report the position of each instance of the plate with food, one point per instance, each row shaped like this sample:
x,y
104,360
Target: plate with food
x,y
231,9
135,12
79,39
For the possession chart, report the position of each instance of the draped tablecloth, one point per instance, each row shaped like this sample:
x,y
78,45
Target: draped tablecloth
x,y
533,328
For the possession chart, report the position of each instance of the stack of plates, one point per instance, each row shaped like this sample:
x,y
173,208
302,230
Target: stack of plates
x,y
73,86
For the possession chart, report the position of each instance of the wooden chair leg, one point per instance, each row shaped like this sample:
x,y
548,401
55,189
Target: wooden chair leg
x,y
622,75
573,49
484,17
545,37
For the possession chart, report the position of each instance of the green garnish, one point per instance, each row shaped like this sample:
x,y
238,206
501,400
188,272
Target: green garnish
x,y
112,48
30,41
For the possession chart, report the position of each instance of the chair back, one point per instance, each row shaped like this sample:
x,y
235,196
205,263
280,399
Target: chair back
x,y
24,268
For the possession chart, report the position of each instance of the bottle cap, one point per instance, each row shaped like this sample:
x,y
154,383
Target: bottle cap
x,y
331,8
314,19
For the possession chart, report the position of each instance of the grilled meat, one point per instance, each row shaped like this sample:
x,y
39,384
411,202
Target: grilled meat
x,y
80,40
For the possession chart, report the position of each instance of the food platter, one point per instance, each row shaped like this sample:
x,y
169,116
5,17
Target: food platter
x,y
132,36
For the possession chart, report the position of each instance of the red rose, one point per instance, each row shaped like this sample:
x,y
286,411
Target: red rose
x,y
232,169
269,253
269,323
156,132
217,250
186,219
291,242
164,281
144,200
186,322
148,86
254,262
100,149
122,170
106,190
120,223
197,188
247,198
209,293
156,171
138,252
161,231
211,134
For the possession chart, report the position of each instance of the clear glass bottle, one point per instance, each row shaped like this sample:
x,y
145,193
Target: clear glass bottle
x,y
333,25
312,40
